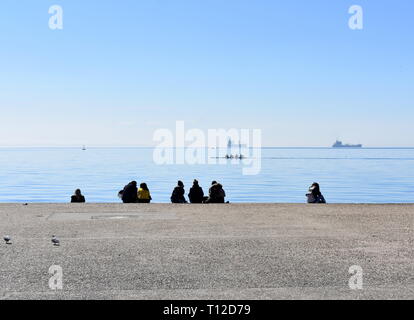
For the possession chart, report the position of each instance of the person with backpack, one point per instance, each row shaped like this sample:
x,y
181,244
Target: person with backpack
x,y
315,195
196,194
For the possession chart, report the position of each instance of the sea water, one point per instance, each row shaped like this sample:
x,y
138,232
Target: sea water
x,y
367,175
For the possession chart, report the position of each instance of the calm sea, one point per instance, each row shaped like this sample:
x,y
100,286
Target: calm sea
x,y
367,175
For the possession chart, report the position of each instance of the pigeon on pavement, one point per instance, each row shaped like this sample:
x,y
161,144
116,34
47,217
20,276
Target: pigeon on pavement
x,y
55,241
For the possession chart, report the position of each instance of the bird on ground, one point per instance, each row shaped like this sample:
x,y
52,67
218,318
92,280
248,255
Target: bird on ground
x,y
55,241
7,239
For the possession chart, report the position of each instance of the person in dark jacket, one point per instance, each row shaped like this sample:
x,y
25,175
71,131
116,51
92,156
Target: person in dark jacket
x,y
130,193
177,195
216,193
77,197
315,195
196,194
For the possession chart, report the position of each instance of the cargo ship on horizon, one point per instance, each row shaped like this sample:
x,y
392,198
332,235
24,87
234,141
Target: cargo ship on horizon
x,y
339,144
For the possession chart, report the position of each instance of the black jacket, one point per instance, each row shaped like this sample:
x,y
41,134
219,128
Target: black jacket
x,y
177,195
216,194
312,198
196,194
130,193
76,199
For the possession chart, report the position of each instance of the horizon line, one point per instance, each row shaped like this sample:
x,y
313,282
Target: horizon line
x,y
148,147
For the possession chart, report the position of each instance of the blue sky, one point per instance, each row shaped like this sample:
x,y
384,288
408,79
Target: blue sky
x,y
121,69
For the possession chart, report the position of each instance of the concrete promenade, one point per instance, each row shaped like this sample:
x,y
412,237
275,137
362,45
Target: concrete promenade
x,y
232,251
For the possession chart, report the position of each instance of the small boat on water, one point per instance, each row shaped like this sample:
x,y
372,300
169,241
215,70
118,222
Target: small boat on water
x,y
339,144
83,147
229,154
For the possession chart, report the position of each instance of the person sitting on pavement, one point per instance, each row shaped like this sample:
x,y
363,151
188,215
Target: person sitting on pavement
x,y
130,193
177,195
77,197
144,195
196,194
216,193
315,195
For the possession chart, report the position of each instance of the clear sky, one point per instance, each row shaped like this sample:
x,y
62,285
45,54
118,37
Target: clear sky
x,y
121,69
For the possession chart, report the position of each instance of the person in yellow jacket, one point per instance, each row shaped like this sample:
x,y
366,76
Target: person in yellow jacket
x,y
144,195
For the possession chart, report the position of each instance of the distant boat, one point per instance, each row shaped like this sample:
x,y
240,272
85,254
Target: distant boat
x,y
339,144
83,148
229,155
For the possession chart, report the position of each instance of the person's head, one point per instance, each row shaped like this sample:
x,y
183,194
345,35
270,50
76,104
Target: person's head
x,y
180,183
143,186
134,183
195,182
214,182
315,189
78,192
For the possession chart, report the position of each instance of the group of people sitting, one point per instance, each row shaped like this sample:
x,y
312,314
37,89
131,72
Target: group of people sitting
x,y
132,194
216,194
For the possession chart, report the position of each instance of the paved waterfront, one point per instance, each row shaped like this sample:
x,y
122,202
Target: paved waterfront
x,y
236,251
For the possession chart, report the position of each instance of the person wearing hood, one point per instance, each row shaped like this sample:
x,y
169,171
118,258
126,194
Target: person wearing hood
x,y
77,197
196,194
130,193
177,195
315,195
216,193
